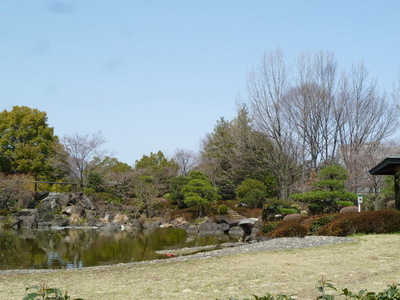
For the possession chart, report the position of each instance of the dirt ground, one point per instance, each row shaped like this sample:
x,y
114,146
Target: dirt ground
x,y
373,262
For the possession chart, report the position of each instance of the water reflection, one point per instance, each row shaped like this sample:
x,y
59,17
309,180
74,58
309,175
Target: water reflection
x,y
77,248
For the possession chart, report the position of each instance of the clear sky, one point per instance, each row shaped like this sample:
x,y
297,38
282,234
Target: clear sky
x,y
157,74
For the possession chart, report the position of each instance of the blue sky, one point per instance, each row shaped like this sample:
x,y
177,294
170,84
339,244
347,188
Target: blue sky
x,y
157,74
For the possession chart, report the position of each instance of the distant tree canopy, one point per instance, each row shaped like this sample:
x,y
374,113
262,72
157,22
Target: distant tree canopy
x,y
27,143
159,168
234,152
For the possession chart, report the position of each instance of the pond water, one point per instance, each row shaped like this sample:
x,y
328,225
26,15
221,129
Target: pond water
x,y
77,248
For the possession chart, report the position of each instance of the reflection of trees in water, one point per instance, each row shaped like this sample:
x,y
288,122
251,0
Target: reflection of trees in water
x,y
76,248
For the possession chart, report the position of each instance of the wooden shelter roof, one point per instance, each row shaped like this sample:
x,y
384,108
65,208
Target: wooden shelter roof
x,y
389,166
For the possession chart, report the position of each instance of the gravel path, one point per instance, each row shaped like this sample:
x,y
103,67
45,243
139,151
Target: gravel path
x,y
270,245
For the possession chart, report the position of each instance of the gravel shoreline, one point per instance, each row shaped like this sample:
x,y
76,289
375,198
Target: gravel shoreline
x,y
270,245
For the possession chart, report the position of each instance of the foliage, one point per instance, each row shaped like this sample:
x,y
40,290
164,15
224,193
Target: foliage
x,y
83,151
222,209
117,177
269,226
146,192
319,222
175,187
388,188
42,292
27,143
288,211
235,151
12,189
328,193
275,207
95,182
159,168
251,192
199,191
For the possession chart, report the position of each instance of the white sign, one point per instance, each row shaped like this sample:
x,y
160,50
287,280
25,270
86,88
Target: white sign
x,y
360,198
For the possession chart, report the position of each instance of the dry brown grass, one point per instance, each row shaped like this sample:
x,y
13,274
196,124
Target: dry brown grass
x,y
372,262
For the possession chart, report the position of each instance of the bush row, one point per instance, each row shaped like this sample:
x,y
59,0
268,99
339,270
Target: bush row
x,y
341,224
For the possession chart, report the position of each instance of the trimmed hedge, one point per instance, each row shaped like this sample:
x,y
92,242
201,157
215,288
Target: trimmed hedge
x,y
342,224
380,221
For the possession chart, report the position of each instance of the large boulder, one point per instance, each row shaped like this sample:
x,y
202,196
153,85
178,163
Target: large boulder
x,y
349,209
208,226
49,204
236,232
225,219
292,217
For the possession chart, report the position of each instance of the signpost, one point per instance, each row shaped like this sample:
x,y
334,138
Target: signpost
x,y
359,200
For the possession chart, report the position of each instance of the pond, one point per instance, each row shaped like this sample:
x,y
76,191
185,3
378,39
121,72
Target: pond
x,y
76,248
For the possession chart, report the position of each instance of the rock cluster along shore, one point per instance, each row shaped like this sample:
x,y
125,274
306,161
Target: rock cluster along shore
x,y
58,210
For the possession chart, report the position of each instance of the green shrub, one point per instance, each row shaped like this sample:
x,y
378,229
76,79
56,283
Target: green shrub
x,y
288,211
251,192
275,207
319,222
42,292
269,226
344,203
222,209
89,191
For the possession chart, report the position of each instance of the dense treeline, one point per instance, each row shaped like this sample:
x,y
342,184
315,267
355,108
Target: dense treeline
x,y
307,132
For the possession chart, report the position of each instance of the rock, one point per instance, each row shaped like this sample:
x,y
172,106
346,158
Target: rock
x,y
230,245
186,251
28,222
179,223
227,220
64,199
208,226
80,210
236,232
150,224
68,210
26,212
121,219
50,204
247,221
192,229
47,217
61,222
29,202
89,204
39,196
75,219
349,209
292,217
391,204
224,227
136,224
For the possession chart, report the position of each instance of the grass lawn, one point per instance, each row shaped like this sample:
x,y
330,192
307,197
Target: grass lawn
x,y
373,262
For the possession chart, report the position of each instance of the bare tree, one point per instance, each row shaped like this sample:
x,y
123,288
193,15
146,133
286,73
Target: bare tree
x,y
368,119
81,150
267,89
310,115
186,159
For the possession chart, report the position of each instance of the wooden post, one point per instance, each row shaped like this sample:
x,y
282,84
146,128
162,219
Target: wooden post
x,y
397,190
